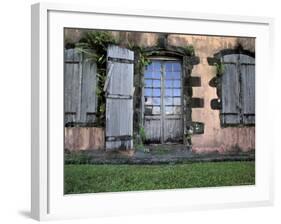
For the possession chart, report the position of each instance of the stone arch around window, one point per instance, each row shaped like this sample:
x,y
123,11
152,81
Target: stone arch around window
x,y
222,60
188,60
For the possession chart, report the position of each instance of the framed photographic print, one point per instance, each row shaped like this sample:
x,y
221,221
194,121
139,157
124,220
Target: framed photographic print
x,y
148,111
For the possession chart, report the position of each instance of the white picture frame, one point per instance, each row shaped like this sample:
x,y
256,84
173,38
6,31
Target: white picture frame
x,y
48,201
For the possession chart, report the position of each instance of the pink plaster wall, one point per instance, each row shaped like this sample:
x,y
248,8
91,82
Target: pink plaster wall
x,y
215,138
83,138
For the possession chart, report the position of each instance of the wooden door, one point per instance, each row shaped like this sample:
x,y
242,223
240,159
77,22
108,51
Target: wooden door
x,y
163,121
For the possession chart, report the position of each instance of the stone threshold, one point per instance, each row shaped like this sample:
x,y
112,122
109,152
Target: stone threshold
x,y
156,155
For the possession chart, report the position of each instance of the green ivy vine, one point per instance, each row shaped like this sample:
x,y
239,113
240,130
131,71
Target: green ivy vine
x,y
94,46
220,68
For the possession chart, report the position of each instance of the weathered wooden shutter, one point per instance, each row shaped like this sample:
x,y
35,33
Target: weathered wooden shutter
x,y
72,87
119,98
230,113
79,89
88,92
247,66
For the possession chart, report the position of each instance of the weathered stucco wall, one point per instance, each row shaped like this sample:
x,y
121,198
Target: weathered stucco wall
x,y
83,138
215,138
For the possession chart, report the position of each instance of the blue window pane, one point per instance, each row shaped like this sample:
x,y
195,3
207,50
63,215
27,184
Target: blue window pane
x,y
176,67
156,92
156,66
176,75
157,75
168,92
147,92
156,83
169,75
149,67
177,101
168,66
148,83
168,101
156,110
177,92
177,83
156,101
148,74
168,110
168,84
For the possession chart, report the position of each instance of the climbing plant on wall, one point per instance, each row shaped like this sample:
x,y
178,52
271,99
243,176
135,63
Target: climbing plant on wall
x,y
94,46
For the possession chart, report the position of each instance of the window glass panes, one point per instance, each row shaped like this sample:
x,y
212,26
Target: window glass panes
x,y
149,67
177,101
168,92
147,92
156,75
168,101
168,66
168,83
148,74
148,83
156,92
156,110
176,67
172,110
156,83
177,83
162,77
169,75
168,110
156,101
176,75
156,66
177,92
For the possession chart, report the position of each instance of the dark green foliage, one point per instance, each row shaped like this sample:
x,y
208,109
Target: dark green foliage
x,y
96,41
189,50
139,139
142,56
220,68
114,178
142,134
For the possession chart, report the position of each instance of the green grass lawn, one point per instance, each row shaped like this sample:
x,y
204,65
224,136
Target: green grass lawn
x,y
114,178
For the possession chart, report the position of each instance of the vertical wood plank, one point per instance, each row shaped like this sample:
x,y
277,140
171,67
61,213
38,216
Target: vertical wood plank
x,y
230,90
173,129
248,88
152,126
71,86
88,95
119,99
